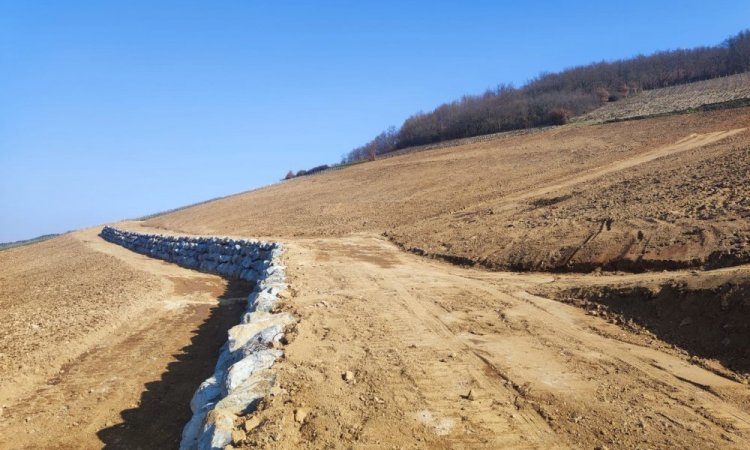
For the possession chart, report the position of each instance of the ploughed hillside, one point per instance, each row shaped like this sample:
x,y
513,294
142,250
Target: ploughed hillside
x,y
659,193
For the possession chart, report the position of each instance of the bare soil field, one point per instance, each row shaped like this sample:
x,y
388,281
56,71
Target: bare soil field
x,y
103,347
674,98
87,361
656,194
704,314
681,205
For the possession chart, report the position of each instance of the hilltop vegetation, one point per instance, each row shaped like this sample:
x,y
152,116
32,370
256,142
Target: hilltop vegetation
x,y
552,98
615,90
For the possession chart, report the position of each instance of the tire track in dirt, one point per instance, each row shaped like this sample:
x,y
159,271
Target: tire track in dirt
x,y
690,142
459,358
527,422
525,229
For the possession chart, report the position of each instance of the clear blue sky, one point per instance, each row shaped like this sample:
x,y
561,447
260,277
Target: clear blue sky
x,y
116,109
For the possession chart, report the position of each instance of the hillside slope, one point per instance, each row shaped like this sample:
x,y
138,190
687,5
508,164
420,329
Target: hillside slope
x,y
441,356
658,193
674,98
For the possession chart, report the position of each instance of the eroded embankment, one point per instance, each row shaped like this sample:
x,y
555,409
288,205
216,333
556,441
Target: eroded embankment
x,y
706,321
242,376
632,214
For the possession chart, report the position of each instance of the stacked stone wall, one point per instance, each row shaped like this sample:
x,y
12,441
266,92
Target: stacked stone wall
x,y
245,259
243,375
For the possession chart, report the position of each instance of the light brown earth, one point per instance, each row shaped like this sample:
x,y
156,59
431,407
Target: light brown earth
x,y
441,356
419,336
101,347
678,205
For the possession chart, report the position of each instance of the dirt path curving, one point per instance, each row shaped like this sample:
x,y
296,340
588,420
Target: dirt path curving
x,y
445,357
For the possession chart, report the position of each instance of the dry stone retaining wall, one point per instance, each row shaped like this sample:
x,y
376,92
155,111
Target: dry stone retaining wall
x,y
243,375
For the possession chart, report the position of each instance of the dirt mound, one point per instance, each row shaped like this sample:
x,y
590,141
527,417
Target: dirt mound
x,y
58,291
104,347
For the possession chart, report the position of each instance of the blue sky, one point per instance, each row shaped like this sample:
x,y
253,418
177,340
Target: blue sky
x,y
116,109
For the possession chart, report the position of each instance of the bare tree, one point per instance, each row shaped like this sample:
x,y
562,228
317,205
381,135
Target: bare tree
x,y
552,98
602,95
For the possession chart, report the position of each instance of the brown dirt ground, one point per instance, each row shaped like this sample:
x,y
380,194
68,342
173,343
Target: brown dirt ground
x,y
105,347
702,314
100,342
420,335
680,205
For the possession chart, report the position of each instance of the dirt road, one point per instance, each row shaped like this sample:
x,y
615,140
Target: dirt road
x,y
445,357
440,357
690,142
